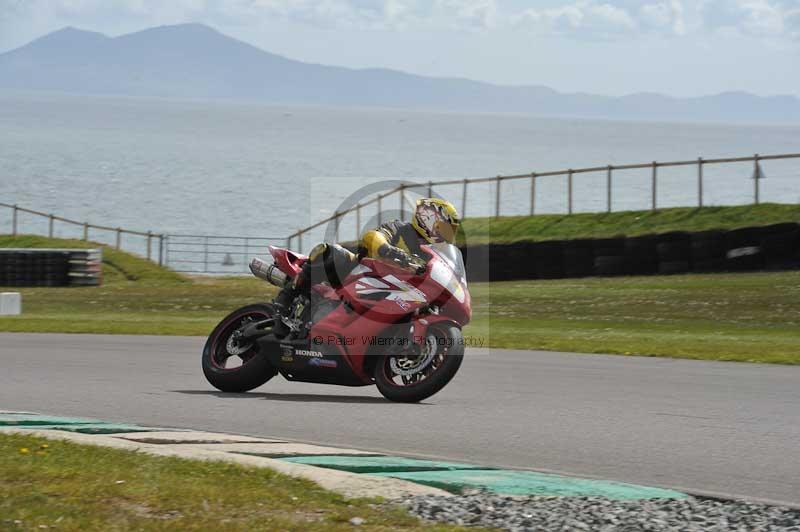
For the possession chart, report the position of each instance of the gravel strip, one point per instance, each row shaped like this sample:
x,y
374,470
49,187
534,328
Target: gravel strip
x,y
598,513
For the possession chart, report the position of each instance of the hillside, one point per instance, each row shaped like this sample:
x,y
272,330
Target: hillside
x,y
625,223
195,61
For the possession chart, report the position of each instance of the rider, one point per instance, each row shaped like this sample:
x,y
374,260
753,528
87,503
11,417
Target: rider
x,y
435,220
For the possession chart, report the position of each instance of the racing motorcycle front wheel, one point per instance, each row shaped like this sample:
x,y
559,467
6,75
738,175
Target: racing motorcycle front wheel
x,y
415,375
233,365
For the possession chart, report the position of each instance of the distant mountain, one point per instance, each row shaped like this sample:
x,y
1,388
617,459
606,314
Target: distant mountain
x,y
195,61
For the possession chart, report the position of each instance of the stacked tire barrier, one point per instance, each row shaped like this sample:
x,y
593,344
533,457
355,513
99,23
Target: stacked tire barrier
x,y
50,267
772,247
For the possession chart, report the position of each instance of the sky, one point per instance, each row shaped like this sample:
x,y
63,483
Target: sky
x,y
614,47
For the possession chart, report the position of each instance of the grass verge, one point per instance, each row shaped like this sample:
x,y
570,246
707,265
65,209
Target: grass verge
x,y
629,223
61,485
751,317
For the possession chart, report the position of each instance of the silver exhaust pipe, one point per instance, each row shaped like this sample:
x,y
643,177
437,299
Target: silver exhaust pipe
x,y
268,272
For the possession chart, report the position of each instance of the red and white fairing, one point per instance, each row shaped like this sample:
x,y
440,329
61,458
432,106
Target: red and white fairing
x,y
377,295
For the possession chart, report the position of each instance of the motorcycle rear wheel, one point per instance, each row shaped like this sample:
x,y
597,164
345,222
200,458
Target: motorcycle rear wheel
x,y
447,358
254,370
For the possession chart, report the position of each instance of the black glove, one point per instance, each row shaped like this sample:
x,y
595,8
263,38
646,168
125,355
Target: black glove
x,y
396,255
402,258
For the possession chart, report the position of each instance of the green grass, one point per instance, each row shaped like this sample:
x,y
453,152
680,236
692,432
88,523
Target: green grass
x,y
752,317
745,317
628,223
61,485
124,307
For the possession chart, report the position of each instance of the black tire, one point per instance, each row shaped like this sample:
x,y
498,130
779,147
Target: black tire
x,y
708,246
674,247
476,259
781,251
743,249
778,229
578,258
548,259
255,369
608,247
450,359
508,262
610,265
673,267
780,245
501,262
641,255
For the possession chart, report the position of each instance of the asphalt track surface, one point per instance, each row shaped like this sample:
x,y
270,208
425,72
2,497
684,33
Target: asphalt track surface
x,y
726,428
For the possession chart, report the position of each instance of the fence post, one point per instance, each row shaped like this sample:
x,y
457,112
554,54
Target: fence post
x,y
700,182
289,241
533,193
336,226
149,244
358,221
402,195
14,216
464,198
161,250
569,191
756,177
119,237
300,240
497,198
205,254
608,187
85,231
654,185
430,189
50,226
380,210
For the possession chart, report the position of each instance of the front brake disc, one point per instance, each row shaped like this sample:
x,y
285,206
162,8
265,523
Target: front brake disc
x,y
416,366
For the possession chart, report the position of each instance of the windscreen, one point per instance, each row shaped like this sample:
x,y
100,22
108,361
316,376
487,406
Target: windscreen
x,y
452,256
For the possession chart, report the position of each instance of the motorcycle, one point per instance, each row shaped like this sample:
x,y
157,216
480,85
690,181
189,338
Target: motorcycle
x,y
387,324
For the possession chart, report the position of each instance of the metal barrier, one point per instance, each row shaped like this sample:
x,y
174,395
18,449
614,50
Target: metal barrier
x,y
397,196
231,254
115,232
215,254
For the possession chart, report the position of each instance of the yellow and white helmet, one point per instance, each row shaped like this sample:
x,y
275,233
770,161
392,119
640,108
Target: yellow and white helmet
x,y
436,220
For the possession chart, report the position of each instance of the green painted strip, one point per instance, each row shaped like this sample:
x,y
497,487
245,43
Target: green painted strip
x,y
20,419
531,483
376,464
91,428
26,420
456,477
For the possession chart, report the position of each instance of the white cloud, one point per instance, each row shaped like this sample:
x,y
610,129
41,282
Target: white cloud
x,y
792,23
610,19
664,16
584,18
772,19
473,13
761,18
579,19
